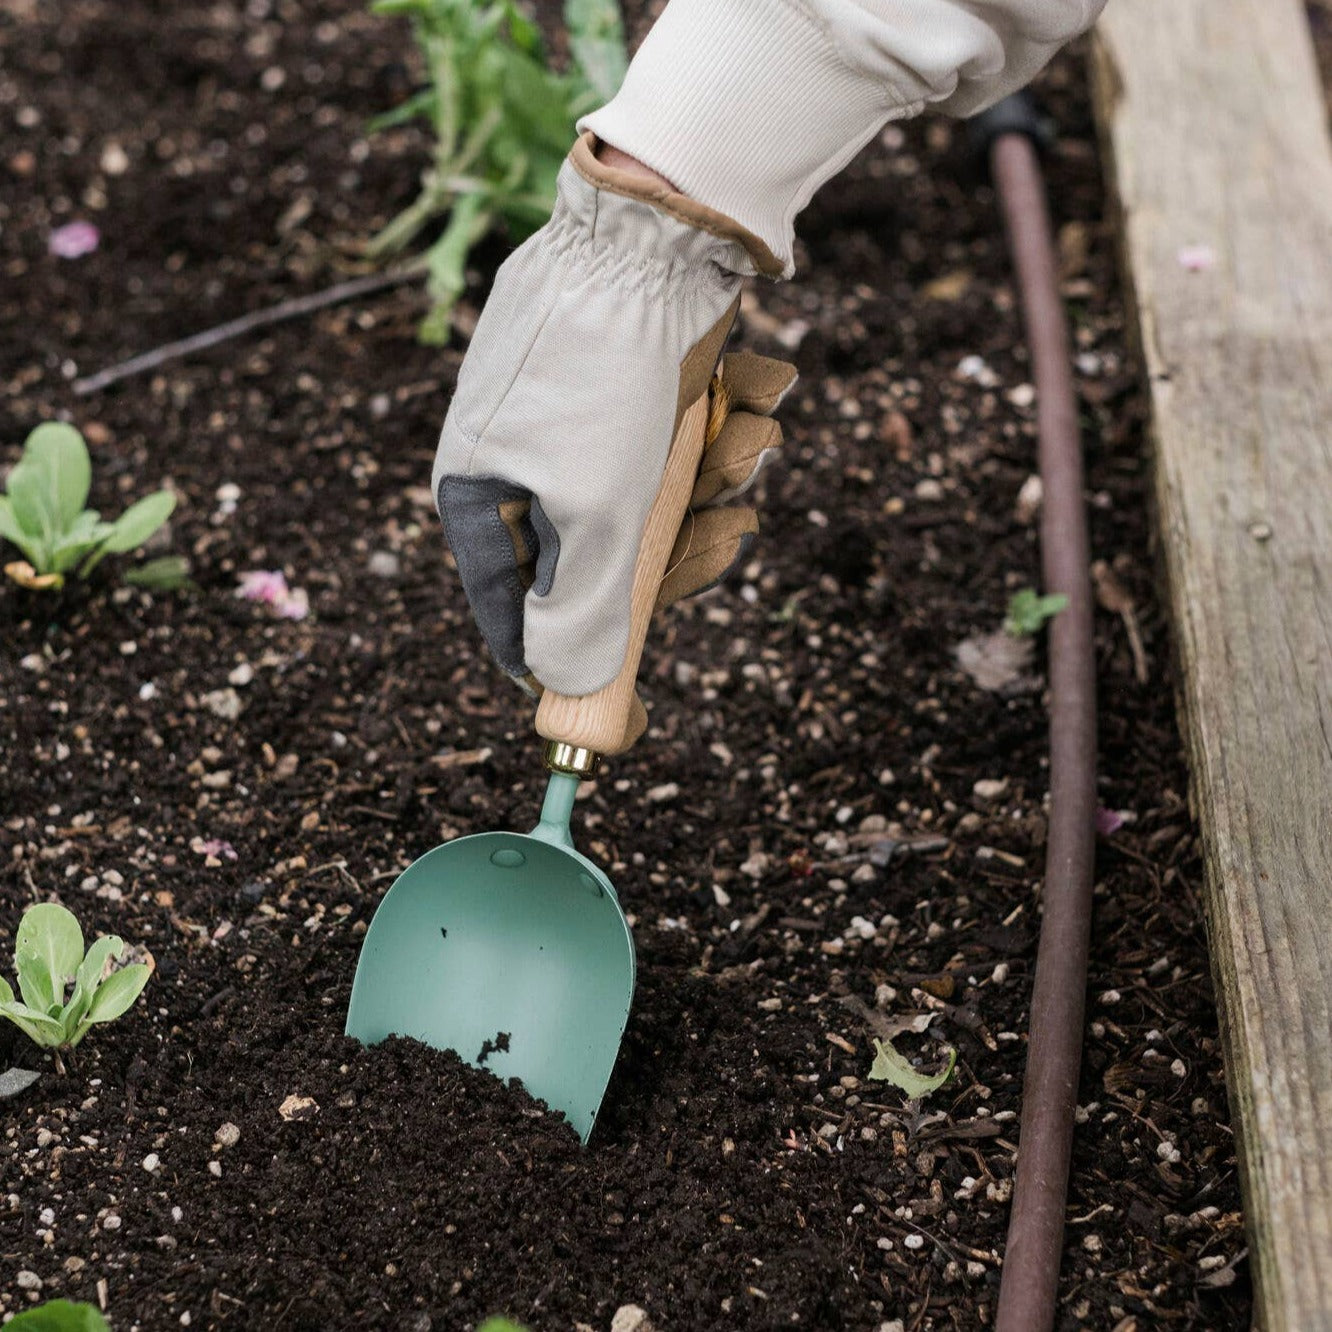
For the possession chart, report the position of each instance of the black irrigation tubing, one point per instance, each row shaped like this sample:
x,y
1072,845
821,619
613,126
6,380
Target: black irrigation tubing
x,y
1011,133
292,308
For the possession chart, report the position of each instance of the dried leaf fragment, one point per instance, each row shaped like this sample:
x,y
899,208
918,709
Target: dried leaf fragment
x,y
998,662
889,1066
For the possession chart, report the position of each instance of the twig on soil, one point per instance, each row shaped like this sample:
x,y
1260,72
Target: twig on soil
x,y
291,308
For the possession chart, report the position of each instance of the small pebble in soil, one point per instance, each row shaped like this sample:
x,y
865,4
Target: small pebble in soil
x,y
1029,500
27,1280
631,1318
151,1162
914,1241
224,703
215,1169
227,1135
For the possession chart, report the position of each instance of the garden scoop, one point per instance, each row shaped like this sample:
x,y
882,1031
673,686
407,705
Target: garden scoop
x,y
512,949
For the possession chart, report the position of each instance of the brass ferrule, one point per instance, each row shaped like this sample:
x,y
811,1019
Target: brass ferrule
x,y
572,760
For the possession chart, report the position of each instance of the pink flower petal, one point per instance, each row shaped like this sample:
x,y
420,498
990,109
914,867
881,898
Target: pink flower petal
x,y
1109,822
215,847
268,586
73,240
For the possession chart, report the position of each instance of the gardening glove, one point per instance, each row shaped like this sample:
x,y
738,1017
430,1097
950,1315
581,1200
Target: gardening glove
x,y
741,437
600,331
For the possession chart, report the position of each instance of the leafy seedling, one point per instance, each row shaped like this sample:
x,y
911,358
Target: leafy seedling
x,y
889,1066
503,121
42,512
500,1325
49,957
59,1316
1028,611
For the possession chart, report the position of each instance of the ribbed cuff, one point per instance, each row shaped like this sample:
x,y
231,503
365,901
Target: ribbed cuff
x,y
748,107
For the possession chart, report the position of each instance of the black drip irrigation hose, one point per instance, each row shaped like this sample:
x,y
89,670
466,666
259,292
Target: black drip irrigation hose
x,y
1010,135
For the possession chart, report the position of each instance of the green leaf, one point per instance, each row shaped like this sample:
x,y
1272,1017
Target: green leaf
x,y
28,498
36,983
165,574
419,104
86,534
524,34
11,531
6,991
499,1325
59,1316
140,521
51,934
88,979
61,455
114,996
596,38
889,1066
39,1028
1028,612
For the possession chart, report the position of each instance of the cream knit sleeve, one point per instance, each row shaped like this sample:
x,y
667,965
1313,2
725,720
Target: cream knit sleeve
x,y
750,105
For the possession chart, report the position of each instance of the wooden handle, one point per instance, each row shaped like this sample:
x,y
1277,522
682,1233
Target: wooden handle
x,y
610,720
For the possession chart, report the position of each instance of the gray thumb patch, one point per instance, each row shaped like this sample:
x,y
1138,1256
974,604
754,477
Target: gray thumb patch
x,y
486,549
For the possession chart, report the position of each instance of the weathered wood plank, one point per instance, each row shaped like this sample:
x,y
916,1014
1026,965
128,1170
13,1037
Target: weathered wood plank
x,y
1216,129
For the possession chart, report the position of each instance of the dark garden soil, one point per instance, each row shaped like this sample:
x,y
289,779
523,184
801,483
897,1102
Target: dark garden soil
x,y
830,826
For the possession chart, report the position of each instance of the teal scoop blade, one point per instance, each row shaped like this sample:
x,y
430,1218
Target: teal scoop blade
x,y
510,950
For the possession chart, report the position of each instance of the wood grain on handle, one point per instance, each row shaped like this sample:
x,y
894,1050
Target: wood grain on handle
x,y
609,721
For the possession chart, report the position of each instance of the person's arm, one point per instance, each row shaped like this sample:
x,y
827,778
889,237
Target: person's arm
x,y
750,105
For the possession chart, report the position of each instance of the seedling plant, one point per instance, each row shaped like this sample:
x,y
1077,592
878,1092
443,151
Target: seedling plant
x,y
48,958
42,514
503,121
1028,611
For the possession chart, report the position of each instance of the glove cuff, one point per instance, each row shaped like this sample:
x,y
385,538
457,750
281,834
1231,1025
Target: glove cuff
x,y
747,106
691,212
